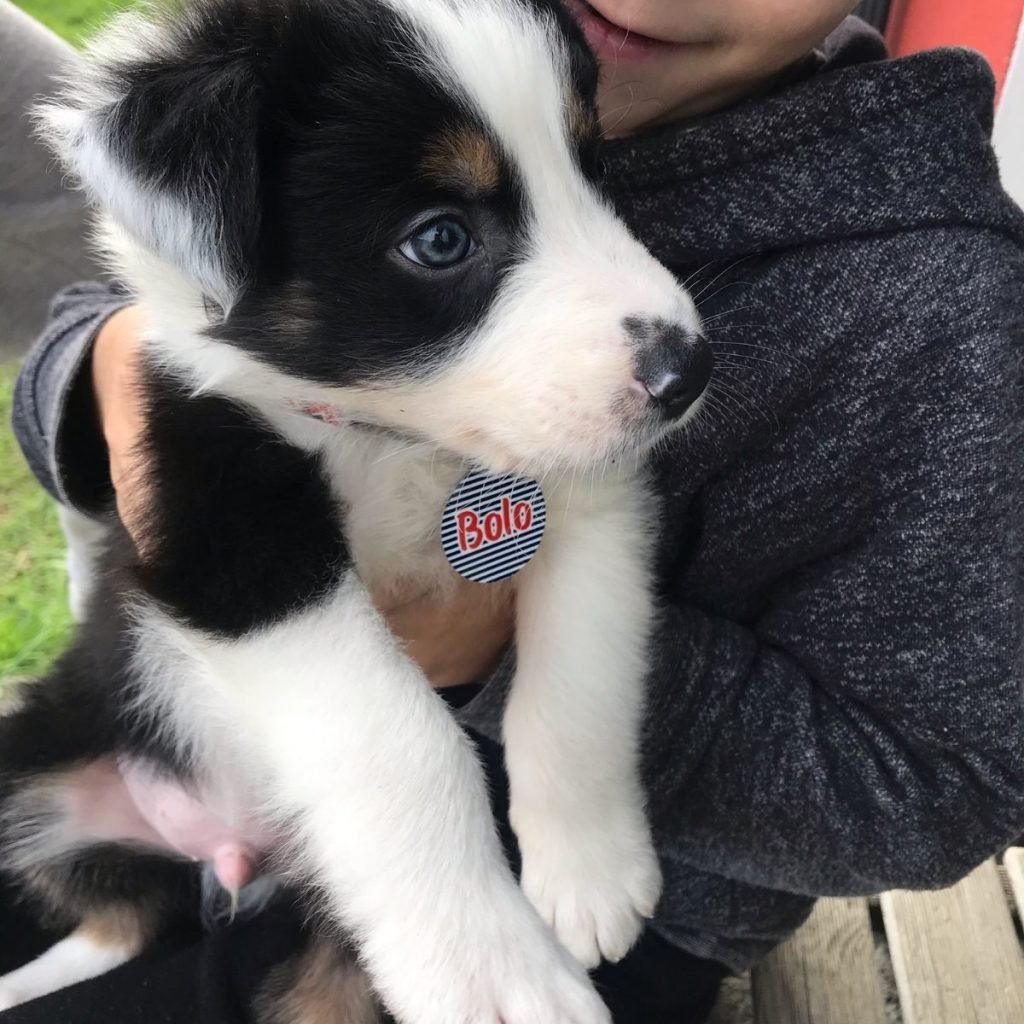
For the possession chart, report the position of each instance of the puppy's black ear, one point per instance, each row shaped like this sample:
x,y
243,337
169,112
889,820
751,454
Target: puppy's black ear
x,y
160,123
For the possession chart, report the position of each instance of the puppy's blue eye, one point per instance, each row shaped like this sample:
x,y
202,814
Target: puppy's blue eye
x,y
439,244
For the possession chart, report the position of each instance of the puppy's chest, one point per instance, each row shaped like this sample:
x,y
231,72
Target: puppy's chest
x,y
391,495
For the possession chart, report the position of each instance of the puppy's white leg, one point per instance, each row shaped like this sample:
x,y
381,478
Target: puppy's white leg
x,y
572,727
86,953
393,819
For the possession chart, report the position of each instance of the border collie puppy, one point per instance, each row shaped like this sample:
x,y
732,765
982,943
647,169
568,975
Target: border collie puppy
x,y
383,212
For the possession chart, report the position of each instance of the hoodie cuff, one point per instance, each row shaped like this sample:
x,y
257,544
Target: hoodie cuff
x,y
55,417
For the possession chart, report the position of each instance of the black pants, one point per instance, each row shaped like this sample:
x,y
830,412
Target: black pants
x,y
197,977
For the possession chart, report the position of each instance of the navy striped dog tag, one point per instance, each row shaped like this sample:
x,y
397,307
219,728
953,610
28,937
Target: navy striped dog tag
x,y
492,525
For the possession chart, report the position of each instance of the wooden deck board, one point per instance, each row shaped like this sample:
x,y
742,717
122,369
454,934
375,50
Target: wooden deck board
x,y
955,954
825,974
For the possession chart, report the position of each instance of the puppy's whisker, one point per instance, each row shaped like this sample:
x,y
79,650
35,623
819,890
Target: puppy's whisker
x,y
724,313
707,299
697,296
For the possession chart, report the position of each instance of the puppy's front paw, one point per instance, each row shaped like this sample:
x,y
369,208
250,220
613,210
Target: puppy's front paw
x,y
502,967
533,991
595,886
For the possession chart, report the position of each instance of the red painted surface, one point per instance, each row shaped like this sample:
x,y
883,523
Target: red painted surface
x,y
991,26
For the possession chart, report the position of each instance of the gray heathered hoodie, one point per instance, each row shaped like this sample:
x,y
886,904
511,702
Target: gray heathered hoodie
x,y
836,695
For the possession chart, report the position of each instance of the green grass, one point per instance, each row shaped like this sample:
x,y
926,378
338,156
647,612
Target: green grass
x,y
34,617
75,20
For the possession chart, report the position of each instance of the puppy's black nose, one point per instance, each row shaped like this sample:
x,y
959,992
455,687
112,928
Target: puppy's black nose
x,y
674,369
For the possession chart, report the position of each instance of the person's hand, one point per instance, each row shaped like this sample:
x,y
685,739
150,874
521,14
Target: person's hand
x,y
455,640
115,382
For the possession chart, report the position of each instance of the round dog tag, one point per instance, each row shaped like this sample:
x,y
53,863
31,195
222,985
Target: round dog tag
x,y
492,525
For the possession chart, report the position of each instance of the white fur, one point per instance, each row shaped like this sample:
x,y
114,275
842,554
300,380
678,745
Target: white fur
x,y
572,725
322,723
573,719
39,826
184,236
84,537
545,381
357,751
74,959
390,816
76,127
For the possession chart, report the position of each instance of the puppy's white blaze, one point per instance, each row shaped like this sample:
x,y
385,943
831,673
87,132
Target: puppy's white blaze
x,y
512,65
508,61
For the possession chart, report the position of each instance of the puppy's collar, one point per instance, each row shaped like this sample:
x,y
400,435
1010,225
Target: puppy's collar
x,y
332,416
491,526
324,412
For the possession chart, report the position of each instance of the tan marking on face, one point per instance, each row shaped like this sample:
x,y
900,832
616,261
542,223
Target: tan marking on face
x,y
465,159
323,985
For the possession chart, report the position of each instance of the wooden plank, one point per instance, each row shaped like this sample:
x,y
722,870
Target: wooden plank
x,y
1013,864
955,954
825,974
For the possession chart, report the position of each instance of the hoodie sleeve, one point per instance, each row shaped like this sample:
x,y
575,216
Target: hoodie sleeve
x,y
836,704
54,415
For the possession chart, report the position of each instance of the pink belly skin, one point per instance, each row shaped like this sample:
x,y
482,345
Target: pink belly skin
x,y
125,801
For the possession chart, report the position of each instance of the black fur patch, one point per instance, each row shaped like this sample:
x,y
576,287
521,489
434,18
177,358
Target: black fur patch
x,y
333,300
242,528
69,719
188,123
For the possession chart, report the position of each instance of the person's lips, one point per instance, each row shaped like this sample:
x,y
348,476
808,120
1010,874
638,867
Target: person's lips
x,y
613,42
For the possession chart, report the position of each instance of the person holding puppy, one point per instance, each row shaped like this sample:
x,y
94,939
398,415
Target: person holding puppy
x,y
835,700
